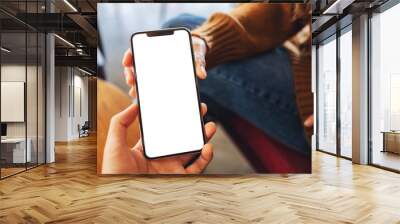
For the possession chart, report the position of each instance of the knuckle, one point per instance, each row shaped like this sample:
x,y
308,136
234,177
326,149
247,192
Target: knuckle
x,y
114,119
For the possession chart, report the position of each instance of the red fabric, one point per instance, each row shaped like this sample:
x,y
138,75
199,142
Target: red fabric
x,y
270,155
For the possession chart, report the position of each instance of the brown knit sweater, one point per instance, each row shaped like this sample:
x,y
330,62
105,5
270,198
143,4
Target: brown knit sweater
x,y
253,28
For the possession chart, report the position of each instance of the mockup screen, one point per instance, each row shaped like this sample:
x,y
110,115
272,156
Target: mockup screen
x,y
169,109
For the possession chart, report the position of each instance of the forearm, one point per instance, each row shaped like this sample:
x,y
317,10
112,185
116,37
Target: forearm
x,y
247,30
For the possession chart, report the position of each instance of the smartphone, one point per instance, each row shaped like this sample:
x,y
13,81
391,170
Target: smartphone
x,y
167,92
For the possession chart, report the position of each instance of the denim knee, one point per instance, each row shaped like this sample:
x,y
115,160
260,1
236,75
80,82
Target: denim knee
x,y
186,20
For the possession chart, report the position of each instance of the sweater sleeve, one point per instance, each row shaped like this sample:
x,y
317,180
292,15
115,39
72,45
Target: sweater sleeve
x,y
249,29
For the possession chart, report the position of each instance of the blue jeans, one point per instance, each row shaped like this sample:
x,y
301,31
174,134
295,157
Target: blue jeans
x,y
259,89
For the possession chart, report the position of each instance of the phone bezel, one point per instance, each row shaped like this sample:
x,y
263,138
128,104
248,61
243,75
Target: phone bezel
x,y
162,32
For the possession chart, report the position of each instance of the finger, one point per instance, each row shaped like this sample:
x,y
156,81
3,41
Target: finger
x,y
201,163
127,59
203,109
199,49
186,158
210,129
138,146
309,122
200,67
132,92
121,121
129,76
138,155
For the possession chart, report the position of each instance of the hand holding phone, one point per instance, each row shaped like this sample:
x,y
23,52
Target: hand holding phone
x,y
119,158
165,75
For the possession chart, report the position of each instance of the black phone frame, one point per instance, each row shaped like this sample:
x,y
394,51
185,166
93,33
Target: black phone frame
x,y
163,32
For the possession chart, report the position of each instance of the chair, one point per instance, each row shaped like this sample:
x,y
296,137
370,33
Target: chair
x,y
84,130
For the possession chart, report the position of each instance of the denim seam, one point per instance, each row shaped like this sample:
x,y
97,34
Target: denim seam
x,y
258,92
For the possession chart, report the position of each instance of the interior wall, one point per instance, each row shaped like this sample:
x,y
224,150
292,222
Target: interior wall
x,y
71,102
81,83
92,107
17,73
61,103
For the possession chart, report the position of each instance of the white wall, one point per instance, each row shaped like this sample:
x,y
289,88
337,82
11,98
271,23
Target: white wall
x,y
83,83
71,93
14,73
61,103
33,127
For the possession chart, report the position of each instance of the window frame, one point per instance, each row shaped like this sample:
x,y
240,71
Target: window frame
x,y
333,37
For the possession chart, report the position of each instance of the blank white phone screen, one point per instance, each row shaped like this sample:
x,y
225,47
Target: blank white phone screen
x,y
169,109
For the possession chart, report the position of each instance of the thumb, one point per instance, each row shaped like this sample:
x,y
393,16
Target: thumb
x,y
121,122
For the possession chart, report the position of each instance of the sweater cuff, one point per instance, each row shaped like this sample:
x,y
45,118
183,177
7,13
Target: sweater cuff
x,y
224,37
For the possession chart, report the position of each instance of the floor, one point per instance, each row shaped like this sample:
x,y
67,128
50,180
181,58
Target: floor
x,y
69,191
10,171
387,159
13,170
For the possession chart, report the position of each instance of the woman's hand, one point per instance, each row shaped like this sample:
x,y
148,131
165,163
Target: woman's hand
x,y
199,51
119,158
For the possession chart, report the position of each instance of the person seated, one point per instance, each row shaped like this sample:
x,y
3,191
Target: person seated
x,y
253,62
